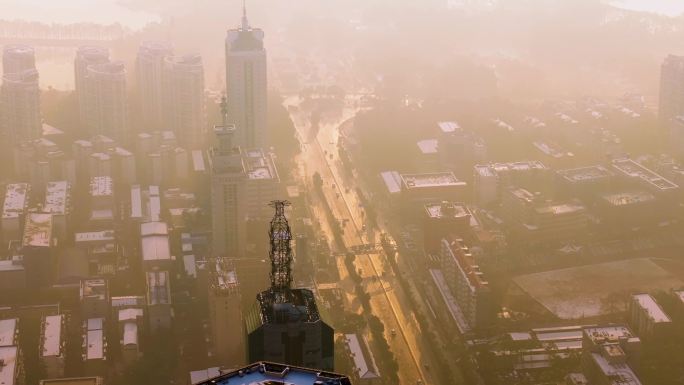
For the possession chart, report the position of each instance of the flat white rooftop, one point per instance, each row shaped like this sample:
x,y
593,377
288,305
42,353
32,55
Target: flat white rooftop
x,y
95,344
392,181
8,332
8,372
448,127
16,200
654,311
364,366
428,146
52,336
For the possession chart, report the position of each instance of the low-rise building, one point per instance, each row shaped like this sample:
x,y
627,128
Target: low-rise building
x,y
94,295
52,345
365,370
155,246
58,203
14,209
160,313
608,355
94,347
74,381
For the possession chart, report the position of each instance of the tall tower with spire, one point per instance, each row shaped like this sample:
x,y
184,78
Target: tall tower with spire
x,y
284,325
246,83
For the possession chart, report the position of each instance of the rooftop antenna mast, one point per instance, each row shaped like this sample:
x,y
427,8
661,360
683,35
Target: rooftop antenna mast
x,y
224,109
280,253
245,23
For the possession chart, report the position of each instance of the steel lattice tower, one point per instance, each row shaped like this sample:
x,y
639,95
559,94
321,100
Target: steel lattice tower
x,y
280,253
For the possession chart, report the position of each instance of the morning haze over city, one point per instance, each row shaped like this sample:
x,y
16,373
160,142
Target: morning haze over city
x,y
342,192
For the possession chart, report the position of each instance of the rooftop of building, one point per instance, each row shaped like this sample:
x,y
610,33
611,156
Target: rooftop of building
x,y
38,230
129,314
95,236
552,150
224,277
607,334
561,208
615,373
626,198
651,307
448,127
427,180
523,195
269,373
9,356
392,180
56,197
494,169
633,169
101,186
93,288
9,332
155,241
428,146
158,289
364,364
51,339
447,210
585,174
259,165
300,307
130,300
73,381
16,200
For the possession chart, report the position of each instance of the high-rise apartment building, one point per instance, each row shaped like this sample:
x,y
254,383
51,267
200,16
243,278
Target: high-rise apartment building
x,y
20,106
225,315
17,58
149,73
183,98
246,84
86,56
106,107
671,88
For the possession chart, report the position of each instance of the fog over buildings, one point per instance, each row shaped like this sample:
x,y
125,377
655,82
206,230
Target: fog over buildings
x,y
366,192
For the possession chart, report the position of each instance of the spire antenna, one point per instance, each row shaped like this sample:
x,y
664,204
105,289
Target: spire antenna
x,y
245,23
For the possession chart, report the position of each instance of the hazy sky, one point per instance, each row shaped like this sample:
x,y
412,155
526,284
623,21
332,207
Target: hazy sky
x,y
667,7
75,11
111,11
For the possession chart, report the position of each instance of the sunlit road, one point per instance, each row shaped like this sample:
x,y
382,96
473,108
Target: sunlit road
x,y
388,302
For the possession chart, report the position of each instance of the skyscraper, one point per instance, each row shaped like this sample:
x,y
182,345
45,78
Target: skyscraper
x,y
227,194
183,96
149,68
17,58
246,84
284,325
106,108
20,106
671,89
86,56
